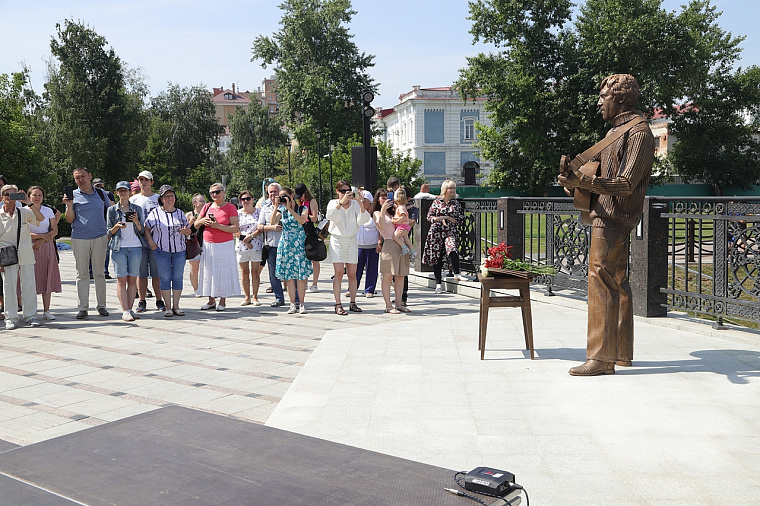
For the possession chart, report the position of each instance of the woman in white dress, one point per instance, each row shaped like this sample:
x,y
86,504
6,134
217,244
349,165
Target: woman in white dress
x,y
248,248
218,276
346,214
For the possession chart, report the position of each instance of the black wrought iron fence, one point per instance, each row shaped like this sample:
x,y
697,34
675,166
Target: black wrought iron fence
x,y
714,258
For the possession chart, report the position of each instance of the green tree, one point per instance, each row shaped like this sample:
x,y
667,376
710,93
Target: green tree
x,y
21,160
401,165
93,117
320,71
184,126
542,83
256,135
717,132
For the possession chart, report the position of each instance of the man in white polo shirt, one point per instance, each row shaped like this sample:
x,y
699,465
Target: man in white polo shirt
x,y
148,200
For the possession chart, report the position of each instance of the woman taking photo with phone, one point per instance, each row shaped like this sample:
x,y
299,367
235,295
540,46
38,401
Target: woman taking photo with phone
x,y
305,199
124,221
46,273
167,230
292,266
346,214
218,275
393,265
248,249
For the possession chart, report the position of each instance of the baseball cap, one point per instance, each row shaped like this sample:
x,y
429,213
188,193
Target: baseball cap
x,y
299,190
123,184
146,174
135,186
97,181
165,188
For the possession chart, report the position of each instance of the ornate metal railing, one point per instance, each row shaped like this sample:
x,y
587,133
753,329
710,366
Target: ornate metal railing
x,y
714,257
477,232
554,235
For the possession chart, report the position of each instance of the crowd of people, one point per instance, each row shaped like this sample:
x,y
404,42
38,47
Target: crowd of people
x,y
143,235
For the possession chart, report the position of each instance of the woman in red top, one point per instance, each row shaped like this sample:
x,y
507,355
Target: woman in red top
x,y
218,275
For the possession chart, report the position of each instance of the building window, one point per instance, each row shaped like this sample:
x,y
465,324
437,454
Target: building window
x,y
468,130
228,96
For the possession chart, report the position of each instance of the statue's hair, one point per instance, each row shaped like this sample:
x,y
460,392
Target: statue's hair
x,y
624,88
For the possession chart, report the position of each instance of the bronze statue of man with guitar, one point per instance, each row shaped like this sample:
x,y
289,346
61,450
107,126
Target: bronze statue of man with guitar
x,y
608,183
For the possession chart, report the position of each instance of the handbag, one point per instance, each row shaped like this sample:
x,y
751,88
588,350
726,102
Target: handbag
x,y
316,250
194,243
193,247
9,254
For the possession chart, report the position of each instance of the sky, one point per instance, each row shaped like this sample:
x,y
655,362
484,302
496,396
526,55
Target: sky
x,y
192,42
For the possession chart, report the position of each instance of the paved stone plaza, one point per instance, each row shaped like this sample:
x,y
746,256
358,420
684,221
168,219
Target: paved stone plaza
x,y
682,427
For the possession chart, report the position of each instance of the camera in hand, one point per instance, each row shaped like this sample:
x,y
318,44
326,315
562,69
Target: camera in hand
x,y
17,196
212,217
129,214
283,199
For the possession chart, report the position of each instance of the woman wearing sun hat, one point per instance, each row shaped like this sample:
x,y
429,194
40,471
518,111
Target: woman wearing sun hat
x,y
167,230
126,240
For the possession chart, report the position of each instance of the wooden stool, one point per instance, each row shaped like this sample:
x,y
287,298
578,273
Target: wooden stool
x,y
522,301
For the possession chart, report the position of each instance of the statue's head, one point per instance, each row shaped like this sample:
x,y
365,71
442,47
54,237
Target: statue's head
x,y
624,89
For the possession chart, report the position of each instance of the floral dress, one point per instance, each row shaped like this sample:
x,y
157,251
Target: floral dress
x,y
443,237
291,254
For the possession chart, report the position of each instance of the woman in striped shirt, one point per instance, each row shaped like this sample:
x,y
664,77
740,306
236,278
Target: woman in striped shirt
x,y
167,229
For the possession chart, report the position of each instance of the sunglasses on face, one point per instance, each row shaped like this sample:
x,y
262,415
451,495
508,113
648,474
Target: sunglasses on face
x,y
344,190
216,192
245,199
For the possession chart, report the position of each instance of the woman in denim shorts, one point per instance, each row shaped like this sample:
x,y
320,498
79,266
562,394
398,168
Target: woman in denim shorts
x,y
125,230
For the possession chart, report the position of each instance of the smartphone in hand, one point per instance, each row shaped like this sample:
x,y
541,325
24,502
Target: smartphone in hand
x,y
69,191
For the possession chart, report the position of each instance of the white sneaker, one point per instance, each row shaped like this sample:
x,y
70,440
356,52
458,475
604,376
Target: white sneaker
x,y
32,322
47,315
9,325
313,289
292,309
127,316
438,289
462,277
302,310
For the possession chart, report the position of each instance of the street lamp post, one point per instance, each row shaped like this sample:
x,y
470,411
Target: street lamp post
x,y
331,172
271,155
290,176
319,165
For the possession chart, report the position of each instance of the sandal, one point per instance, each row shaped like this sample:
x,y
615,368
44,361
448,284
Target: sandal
x,y
178,312
392,310
353,307
403,309
168,314
339,310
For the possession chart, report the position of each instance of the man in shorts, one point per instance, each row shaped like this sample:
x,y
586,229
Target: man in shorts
x,y
148,200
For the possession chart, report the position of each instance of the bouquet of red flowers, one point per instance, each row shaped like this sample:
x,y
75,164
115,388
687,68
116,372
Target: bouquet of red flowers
x,y
500,257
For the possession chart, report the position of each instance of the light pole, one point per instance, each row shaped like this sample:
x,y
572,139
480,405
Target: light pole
x,y
318,133
329,140
290,176
271,159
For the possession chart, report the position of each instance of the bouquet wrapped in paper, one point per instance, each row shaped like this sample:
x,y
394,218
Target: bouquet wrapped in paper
x,y
498,260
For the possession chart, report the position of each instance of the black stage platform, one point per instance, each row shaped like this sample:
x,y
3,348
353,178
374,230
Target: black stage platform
x,y
179,456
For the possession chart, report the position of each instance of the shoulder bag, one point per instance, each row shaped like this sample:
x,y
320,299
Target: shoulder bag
x,y
9,254
194,244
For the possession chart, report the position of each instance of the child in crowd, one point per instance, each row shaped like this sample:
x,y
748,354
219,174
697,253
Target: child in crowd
x,y
401,221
